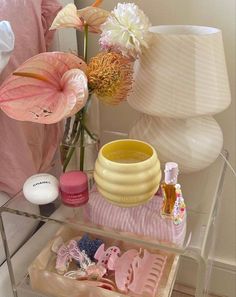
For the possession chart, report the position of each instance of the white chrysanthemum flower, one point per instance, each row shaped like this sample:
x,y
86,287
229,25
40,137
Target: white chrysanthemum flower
x,y
126,30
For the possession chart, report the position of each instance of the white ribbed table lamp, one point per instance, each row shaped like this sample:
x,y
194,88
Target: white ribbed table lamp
x,y
180,81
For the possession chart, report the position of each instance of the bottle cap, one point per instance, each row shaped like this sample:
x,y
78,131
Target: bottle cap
x,y
171,173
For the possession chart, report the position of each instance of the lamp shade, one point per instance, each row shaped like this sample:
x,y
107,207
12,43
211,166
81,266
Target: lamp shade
x,y
182,73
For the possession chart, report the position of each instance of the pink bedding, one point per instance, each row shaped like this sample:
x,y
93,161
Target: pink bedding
x,y
26,148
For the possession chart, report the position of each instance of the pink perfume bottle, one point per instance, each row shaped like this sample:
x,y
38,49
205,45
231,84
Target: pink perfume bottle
x,y
74,188
173,206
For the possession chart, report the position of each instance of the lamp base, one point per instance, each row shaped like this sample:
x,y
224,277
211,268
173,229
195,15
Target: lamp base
x,y
193,143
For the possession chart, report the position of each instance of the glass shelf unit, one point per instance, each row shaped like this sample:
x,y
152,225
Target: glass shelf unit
x,y
202,205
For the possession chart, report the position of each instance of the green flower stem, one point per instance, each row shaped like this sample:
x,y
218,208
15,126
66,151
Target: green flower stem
x,y
85,108
67,129
81,163
72,149
86,43
89,133
75,126
79,136
63,149
68,142
79,127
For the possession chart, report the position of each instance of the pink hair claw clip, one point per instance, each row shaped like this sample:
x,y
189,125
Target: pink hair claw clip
x,y
138,275
147,272
107,258
123,270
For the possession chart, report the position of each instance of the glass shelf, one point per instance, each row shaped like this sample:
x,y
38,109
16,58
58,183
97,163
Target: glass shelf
x,y
202,208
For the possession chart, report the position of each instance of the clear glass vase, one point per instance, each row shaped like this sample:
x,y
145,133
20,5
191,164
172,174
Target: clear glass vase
x,y
77,154
91,147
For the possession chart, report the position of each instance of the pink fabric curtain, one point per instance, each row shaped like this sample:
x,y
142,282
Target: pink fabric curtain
x,y
26,148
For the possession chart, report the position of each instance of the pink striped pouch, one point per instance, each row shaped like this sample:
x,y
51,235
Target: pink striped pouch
x,y
144,219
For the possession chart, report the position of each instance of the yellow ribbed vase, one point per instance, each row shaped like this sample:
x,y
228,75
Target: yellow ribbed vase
x,y
127,172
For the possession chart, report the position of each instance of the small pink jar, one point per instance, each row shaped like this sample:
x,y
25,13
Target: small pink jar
x,y
74,188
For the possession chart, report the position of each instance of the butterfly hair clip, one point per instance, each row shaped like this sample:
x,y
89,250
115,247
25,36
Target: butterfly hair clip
x,y
68,252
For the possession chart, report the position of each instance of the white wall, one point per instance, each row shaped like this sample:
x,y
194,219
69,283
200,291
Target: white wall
x,y
66,38
215,13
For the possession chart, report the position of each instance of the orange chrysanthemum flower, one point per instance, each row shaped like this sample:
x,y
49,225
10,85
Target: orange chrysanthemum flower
x,y
110,76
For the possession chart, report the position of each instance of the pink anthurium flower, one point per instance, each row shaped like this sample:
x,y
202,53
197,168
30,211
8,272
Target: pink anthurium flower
x,y
46,88
67,18
70,17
